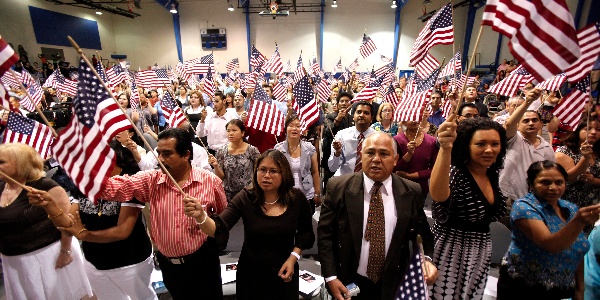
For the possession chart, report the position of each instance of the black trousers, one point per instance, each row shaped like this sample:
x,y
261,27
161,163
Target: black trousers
x,y
515,289
368,289
197,277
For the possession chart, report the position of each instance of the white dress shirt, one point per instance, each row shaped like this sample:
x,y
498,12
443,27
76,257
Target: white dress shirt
x,y
214,128
344,164
199,159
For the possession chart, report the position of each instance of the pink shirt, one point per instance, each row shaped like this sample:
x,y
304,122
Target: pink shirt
x,y
174,233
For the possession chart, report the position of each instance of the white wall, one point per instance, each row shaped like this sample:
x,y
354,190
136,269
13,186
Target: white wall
x,y
16,28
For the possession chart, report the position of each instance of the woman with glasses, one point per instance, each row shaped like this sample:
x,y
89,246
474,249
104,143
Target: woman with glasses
x,y
385,119
277,227
235,160
302,157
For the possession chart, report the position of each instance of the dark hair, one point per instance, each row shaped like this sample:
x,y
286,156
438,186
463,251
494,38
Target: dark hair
x,y
124,159
572,141
287,179
359,103
537,167
290,118
236,122
266,85
220,95
344,94
184,141
461,154
436,92
466,104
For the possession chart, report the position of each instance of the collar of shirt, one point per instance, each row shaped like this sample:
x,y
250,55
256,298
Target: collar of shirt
x,y
356,133
164,179
386,188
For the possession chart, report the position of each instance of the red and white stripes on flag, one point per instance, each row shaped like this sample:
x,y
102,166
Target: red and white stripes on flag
x,y
233,64
446,108
512,83
65,85
589,41
182,72
571,107
152,78
369,92
117,75
427,65
541,32
452,66
8,57
411,108
256,58
20,129
353,65
367,46
384,70
438,31
263,115
323,91
173,113
279,91
305,104
209,85
553,83
390,96
82,147
274,63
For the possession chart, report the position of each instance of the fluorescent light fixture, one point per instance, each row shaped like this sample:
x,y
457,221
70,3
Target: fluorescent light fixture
x,y
173,9
334,5
230,7
394,4
99,13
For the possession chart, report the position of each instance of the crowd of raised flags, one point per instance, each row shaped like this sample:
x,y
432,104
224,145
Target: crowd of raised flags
x,y
82,148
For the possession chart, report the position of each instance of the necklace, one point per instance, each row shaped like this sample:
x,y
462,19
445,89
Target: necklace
x,y
416,138
13,197
291,150
271,203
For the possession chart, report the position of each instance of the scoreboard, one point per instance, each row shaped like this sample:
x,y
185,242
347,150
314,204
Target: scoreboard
x,y
213,39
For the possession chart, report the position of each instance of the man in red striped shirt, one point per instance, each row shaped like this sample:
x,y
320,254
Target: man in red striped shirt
x,y
188,258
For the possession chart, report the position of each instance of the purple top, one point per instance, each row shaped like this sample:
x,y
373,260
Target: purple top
x,y
422,159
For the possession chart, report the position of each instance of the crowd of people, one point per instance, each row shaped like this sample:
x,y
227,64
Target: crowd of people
x,y
371,177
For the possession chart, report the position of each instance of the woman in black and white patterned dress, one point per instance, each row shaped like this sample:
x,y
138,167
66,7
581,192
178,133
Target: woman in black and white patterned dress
x,y
467,198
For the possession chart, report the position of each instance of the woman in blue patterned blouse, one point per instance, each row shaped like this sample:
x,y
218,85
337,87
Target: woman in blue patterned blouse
x,y
385,119
544,260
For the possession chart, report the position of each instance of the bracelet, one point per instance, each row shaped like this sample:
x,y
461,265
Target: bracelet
x,y
427,258
296,255
203,221
66,251
59,214
80,231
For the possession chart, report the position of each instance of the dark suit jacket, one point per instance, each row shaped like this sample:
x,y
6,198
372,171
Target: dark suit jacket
x,y
340,230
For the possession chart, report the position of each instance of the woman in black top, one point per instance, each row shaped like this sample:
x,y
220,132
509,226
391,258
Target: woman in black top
x,y
277,221
117,249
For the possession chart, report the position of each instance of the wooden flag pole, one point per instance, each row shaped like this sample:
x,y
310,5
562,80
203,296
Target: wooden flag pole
x,y
169,90
421,252
80,52
54,134
15,182
462,92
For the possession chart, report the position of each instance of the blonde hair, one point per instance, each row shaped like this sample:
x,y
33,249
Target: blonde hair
x,y
381,107
28,163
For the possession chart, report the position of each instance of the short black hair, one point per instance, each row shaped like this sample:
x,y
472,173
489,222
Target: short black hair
x,y
184,141
537,167
220,95
363,103
461,154
467,104
344,94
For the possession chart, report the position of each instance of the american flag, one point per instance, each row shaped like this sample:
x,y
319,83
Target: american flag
x,y
205,65
338,66
4,97
173,113
299,72
153,78
82,147
209,85
367,47
316,68
233,64
8,57
427,65
571,107
382,71
308,109
410,87
437,31
134,98
589,41
65,85
116,74
512,83
323,91
427,82
453,66
51,80
353,65
100,69
279,91
288,66
553,83
263,115
411,108
10,81
36,92
446,108
20,129
369,91
256,58
413,286
385,59
390,96
182,72
541,32
274,64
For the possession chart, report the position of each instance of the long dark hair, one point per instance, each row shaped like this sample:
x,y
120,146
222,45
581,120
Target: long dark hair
x,y
572,139
461,154
286,194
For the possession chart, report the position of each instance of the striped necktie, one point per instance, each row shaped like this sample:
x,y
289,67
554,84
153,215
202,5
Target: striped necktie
x,y
358,165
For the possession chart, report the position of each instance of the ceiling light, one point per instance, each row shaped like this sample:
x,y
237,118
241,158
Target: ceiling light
x,y
173,9
230,7
334,5
99,13
394,4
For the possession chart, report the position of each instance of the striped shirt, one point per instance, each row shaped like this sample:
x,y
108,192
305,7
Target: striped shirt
x,y
174,233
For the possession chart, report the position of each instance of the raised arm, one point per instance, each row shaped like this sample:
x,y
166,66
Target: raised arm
x,y
439,185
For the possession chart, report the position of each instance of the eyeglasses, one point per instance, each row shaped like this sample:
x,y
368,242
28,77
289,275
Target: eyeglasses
x,y
265,171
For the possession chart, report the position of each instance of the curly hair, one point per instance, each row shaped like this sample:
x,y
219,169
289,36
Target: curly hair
x,y
461,154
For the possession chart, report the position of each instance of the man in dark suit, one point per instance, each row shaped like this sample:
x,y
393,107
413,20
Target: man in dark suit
x,y
366,222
